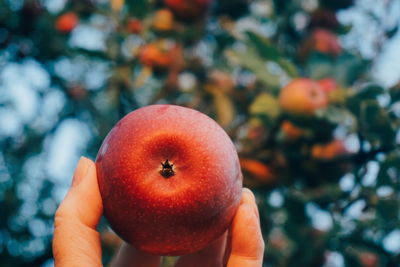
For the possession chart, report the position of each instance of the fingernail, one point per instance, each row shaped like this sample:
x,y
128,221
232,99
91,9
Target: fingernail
x,y
251,199
249,196
80,171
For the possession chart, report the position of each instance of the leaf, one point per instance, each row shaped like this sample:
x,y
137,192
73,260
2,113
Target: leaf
x,y
348,68
263,46
371,92
389,170
368,93
388,209
392,32
224,108
320,66
265,104
268,51
345,69
139,8
251,61
376,124
335,115
395,93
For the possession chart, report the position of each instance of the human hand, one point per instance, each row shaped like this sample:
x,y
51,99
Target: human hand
x,y
76,241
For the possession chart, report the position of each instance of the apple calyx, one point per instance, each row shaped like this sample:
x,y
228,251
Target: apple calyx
x,y
167,170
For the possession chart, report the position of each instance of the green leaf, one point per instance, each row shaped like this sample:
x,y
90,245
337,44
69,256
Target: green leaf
x,y
251,61
263,46
388,209
348,68
335,115
265,104
376,124
138,8
320,66
368,93
389,170
395,93
268,51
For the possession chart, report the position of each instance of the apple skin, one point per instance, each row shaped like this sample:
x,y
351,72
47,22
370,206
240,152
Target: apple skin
x,y
302,96
180,214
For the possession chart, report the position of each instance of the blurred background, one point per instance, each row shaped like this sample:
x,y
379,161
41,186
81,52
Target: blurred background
x,y
308,91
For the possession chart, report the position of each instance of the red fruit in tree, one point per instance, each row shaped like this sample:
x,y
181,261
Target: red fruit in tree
x,y
326,42
302,96
157,55
134,26
188,9
169,178
67,22
328,85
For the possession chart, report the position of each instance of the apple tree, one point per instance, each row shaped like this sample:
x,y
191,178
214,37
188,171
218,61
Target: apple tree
x,y
292,82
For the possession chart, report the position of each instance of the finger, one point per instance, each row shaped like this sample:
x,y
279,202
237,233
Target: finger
x,y
246,243
76,241
129,256
211,256
249,198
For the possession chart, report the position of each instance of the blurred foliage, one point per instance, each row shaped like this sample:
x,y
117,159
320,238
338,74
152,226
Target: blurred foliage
x,y
98,60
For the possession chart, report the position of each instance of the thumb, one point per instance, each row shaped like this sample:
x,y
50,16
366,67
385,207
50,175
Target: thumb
x,y
76,241
246,244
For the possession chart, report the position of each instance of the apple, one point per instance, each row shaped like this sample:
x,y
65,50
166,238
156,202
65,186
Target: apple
x,y
163,20
291,131
328,85
66,22
188,9
157,54
326,42
330,151
321,40
258,170
169,178
134,25
302,96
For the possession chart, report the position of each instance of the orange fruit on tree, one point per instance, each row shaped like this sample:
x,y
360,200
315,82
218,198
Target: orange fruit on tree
x,y
325,41
134,25
328,85
66,22
368,259
163,20
291,131
157,55
329,151
188,9
257,170
302,96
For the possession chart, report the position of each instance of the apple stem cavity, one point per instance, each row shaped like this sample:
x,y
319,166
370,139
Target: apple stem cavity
x,y
167,170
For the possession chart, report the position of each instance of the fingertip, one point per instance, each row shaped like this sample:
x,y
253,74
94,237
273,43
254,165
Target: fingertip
x,y
83,201
81,170
247,196
246,242
76,219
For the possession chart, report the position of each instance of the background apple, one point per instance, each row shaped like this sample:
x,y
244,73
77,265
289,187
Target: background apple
x,y
66,22
302,96
170,179
188,9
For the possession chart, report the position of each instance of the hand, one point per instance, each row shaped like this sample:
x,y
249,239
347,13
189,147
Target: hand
x,y
76,241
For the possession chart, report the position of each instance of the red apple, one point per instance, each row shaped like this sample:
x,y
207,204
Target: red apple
x,y
326,42
328,85
188,9
169,178
302,96
66,22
